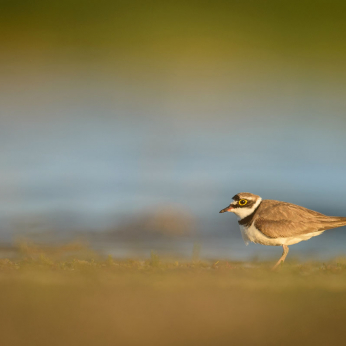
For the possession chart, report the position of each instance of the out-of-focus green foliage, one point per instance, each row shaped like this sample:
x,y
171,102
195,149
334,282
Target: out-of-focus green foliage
x,y
212,29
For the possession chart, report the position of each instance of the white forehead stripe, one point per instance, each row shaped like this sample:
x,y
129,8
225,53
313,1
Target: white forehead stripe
x,y
244,212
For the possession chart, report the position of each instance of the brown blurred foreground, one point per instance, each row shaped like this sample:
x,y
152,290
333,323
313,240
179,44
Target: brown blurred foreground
x,y
46,300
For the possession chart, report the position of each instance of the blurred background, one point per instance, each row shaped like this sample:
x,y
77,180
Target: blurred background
x,y
130,124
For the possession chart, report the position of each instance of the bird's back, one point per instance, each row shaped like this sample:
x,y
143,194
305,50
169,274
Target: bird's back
x,y
282,219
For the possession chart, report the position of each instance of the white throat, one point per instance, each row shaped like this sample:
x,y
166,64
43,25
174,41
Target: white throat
x,y
244,212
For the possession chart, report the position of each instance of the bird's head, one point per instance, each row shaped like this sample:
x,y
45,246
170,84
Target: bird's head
x,y
243,204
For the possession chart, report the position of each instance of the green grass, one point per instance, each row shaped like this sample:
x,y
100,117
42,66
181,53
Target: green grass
x,y
51,297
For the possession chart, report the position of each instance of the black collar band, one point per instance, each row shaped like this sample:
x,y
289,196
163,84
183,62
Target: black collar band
x,y
247,221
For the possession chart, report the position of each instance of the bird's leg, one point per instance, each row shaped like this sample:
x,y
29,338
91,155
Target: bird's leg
x,y
282,258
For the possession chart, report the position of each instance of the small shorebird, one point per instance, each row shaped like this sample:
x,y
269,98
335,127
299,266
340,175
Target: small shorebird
x,y
276,223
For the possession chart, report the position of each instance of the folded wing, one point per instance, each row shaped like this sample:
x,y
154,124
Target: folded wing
x,y
286,220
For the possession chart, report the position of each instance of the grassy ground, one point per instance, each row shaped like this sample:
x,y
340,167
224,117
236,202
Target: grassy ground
x,y
48,298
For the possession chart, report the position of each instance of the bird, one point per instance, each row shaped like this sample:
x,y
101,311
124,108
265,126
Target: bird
x,y
276,223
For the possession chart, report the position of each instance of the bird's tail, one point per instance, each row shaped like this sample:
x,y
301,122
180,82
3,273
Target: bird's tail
x,y
335,222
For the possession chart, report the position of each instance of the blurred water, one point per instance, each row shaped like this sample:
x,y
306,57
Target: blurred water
x,y
327,246
86,167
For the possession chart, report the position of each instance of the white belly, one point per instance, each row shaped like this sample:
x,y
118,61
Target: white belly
x,y
252,234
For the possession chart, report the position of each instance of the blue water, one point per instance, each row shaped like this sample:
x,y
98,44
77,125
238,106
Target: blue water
x,y
86,167
327,246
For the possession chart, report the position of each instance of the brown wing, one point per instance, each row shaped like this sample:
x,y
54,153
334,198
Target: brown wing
x,y
280,219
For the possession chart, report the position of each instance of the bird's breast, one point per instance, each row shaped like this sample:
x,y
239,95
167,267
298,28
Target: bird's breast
x,y
251,233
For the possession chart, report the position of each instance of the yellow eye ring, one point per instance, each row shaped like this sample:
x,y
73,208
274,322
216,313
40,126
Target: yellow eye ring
x,y
242,202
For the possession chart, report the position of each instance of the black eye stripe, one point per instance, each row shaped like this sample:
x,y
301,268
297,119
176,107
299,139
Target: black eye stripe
x,y
249,204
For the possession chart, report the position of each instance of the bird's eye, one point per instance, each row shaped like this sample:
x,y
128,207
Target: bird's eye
x,y
242,202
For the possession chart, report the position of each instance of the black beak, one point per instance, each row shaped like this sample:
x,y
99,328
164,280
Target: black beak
x,y
229,208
